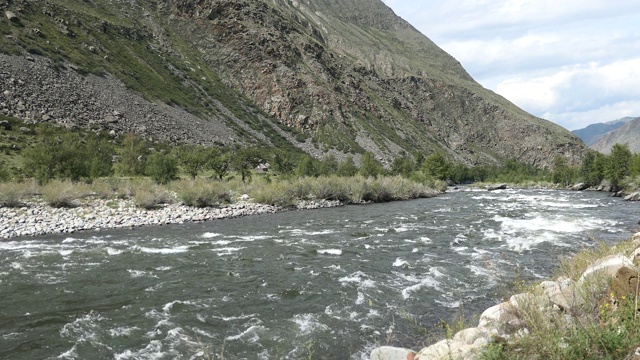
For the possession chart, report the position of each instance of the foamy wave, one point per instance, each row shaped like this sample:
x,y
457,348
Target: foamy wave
x,y
209,235
123,331
113,252
400,262
330,251
308,323
359,278
252,334
151,351
425,282
164,251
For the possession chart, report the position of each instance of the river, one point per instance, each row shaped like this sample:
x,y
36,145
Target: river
x,y
325,284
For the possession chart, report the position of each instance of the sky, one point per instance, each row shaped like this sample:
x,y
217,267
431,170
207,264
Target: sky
x,y
574,62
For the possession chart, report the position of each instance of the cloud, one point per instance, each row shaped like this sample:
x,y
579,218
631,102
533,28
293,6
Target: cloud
x,y
569,61
581,89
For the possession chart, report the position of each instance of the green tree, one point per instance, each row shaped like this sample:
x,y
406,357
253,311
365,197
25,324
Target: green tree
x,y
561,173
634,167
162,168
436,166
403,165
618,163
328,165
307,167
282,163
369,166
592,168
56,155
134,152
193,159
220,163
4,172
100,153
347,167
245,161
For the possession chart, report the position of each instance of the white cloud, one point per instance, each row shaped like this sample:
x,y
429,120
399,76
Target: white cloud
x,y
574,62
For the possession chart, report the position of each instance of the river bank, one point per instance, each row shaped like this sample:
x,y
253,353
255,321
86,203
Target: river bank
x,y
38,218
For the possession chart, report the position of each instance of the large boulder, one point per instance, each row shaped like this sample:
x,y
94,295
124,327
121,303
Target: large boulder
x,y
391,353
497,187
635,196
448,350
580,187
607,266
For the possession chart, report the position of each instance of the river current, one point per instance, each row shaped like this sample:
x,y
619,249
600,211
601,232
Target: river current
x,y
325,284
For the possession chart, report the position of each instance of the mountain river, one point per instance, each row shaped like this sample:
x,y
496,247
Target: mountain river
x,y
320,284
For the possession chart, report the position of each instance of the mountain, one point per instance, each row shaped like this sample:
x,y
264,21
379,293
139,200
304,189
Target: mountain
x,y
629,134
341,76
592,133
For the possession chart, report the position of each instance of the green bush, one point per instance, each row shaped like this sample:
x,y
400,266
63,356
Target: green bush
x,y
276,194
162,168
12,194
64,194
331,188
201,193
149,195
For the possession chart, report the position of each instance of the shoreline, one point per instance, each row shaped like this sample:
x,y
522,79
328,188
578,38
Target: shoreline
x,y
36,218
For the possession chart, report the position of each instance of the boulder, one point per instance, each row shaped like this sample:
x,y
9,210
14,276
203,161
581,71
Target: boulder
x,y
448,350
5,125
608,266
391,353
503,318
635,196
564,294
471,335
12,17
497,187
579,187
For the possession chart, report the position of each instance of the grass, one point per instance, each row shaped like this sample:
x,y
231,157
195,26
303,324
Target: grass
x,y
14,194
64,194
201,193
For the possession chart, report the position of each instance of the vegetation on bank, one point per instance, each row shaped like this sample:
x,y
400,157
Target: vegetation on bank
x,y
606,327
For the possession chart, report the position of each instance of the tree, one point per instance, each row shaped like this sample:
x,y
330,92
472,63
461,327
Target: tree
x,y
307,167
220,163
132,156
561,173
100,156
618,163
56,156
193,158
245,161
436,166
403,165
634,167
347,167
282,163
328,165
370,167
592,168
162,168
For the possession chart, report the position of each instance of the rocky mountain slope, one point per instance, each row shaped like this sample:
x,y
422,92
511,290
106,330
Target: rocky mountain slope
x,y
592,133
628,133
341,76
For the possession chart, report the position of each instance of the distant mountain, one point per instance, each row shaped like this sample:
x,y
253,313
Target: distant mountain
x,y
592,133
628,133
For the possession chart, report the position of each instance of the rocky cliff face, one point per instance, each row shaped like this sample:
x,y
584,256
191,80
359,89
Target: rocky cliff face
x,y
346,75
628,133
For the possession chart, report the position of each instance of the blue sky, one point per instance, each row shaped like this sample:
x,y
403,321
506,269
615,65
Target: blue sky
x,y
574,62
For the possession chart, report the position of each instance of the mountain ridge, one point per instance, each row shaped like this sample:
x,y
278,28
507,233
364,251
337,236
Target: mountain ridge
x,y
323,76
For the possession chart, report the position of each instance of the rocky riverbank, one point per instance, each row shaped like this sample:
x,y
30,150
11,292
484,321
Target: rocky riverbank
x,y
37,218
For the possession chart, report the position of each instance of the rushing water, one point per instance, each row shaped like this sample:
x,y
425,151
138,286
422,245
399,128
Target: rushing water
x,y
332,283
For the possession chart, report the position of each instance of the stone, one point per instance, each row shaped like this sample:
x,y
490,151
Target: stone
x,y
447,350
502,317
564,294
5,125
608,265
471,335
497,187
12,17
391,353
25,130
579,187
635,196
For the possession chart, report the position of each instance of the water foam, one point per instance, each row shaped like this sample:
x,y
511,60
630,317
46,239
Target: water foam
x,y
330,251
308,323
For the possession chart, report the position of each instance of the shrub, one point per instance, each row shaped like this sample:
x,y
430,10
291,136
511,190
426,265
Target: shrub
x,y
148,195
58,193
276,194
201,193
162,168
331,188
12,194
